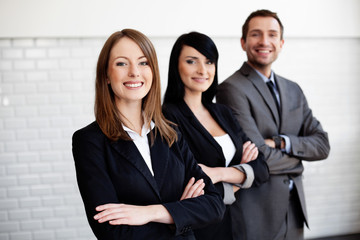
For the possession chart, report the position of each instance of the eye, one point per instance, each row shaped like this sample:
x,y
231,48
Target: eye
x,y
120,64
190,61
209,62
144,63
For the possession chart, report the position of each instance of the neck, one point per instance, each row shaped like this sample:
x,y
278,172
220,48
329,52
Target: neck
x,y
131,115
263,69
193,101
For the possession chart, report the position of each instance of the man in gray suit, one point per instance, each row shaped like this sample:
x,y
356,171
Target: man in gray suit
x,y
274,113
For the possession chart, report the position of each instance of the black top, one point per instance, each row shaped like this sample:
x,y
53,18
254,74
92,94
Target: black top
x,y
115,172
205,148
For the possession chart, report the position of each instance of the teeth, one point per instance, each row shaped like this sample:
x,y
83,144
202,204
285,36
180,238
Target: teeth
x,y
133,85
264,51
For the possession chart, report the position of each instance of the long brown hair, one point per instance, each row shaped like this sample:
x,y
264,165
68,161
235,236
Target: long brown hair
x,y
106,112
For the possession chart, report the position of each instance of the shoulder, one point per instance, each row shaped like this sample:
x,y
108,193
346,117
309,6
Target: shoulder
x,y
175,112
224,113
220,108
91,131
290,85
170,108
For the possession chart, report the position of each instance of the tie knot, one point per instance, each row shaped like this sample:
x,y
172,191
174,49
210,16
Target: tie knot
x,y
270,83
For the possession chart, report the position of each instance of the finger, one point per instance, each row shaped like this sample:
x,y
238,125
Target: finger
x,y
106,206
114,208
248,149
110,217
245,145
187,188
122,221
255,153
198,190
194,187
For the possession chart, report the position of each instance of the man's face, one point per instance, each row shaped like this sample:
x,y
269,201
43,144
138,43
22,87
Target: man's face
x,y
263,42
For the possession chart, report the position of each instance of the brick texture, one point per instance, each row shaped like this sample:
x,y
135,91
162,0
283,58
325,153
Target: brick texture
x,y
47,92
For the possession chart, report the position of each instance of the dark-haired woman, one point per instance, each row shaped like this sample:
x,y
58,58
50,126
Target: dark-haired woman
x,y
136,175
213,134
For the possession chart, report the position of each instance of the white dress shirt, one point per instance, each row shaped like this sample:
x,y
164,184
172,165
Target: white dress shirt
x,y
142,143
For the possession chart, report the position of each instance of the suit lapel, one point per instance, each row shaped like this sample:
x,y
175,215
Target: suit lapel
x,y
283,95
159,158
195,122
259,84
130,153
235,139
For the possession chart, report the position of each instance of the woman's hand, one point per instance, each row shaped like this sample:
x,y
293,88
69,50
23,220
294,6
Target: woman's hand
x,y
124,214
250,152
213,173
193,189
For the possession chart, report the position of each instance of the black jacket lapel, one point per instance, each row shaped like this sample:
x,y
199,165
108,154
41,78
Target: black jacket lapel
x,y
129,151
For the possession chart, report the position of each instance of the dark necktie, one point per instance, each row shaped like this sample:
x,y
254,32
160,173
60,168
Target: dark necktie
x,y
271,87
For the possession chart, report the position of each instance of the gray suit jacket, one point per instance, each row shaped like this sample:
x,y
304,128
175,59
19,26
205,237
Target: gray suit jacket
x,y
265,208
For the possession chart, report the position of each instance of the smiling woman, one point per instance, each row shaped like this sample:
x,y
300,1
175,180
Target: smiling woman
x,y
136,175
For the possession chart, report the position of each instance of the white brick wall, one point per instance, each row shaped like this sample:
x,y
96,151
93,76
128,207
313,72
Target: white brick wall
x,y
47,91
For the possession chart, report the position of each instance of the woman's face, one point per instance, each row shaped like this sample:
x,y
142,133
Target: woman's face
x,y
196,71
129,73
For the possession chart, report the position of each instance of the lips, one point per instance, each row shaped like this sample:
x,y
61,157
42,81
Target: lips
x,y
133,84
200,79
264,51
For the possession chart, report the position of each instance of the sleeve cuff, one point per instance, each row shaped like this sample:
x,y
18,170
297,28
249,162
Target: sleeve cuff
x,y
229,196
287,144
249,173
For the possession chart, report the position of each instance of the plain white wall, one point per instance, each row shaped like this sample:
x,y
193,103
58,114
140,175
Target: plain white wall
x,y
48,52
79,18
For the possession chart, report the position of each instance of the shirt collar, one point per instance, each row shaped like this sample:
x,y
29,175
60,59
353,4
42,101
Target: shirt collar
x,y
264,78
144,129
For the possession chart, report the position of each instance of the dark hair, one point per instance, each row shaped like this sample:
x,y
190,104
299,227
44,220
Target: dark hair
x,y
261,13
106,112
175,88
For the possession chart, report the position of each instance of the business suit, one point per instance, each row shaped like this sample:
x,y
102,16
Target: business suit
x,y
254,107
115,172
208,152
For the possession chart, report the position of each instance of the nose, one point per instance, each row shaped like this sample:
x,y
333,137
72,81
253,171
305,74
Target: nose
x,y
201,69
133,71
264,39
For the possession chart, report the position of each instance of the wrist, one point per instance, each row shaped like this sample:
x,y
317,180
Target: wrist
x,y
158,213
279,142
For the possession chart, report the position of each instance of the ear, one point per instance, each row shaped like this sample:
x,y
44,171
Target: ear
x,y
281,43
243,44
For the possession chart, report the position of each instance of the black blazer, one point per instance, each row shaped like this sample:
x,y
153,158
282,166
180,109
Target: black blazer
x,y
205,148
115,172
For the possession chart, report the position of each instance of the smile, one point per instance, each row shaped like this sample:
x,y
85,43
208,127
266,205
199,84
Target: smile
x,y
200,79
133,85
263,51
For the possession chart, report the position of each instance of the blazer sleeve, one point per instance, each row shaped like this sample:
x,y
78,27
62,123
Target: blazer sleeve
x,y
235,96
231,94
196,212
94,183
259,166
312,143
172,113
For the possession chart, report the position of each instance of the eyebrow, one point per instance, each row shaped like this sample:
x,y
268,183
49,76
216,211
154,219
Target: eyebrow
x,y
128,58
258,30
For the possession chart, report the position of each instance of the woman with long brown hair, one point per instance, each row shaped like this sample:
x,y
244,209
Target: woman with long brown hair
x,y
136,175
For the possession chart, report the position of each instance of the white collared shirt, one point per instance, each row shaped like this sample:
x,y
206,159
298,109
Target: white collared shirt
x,y
142,143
